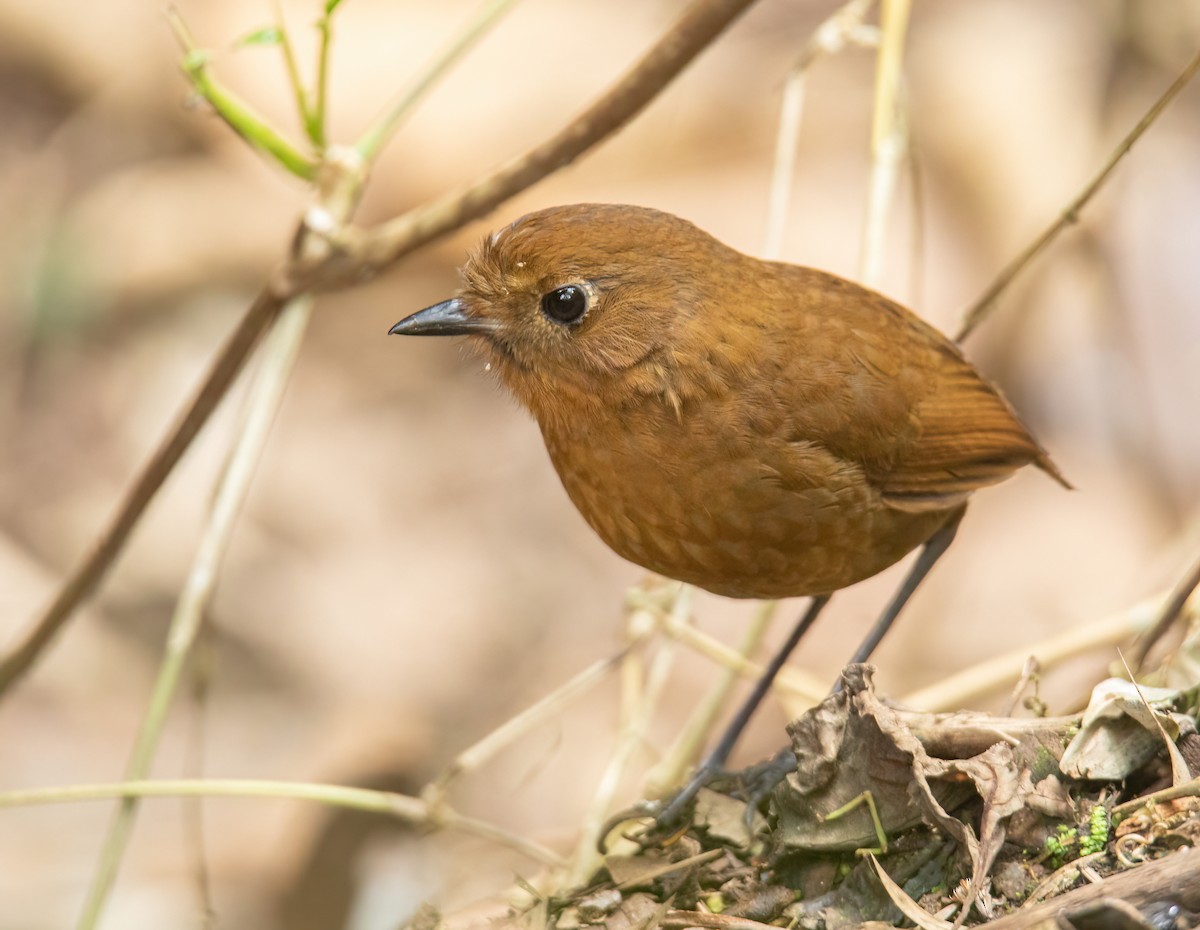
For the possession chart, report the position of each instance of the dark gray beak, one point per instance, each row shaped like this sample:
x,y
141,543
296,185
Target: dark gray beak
x,y
445,319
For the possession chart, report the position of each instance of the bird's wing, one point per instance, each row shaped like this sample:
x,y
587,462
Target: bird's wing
x,y
905,405
966,437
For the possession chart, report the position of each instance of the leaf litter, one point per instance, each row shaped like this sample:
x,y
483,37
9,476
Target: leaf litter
x,y
983,818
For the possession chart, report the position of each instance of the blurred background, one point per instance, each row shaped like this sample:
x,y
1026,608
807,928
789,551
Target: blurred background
x,y
408,572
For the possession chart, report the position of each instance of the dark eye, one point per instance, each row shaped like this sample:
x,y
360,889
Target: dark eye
x,y
565,305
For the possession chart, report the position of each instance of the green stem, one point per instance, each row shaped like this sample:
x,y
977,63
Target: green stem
x,y
315,122
234,112
303,107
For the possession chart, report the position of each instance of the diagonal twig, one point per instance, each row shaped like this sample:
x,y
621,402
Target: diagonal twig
x,y
983,305
1171,610
108,545
383,246
701,23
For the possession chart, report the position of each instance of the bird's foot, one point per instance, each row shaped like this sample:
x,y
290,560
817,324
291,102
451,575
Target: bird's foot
x,y
668,818
756,782
662,822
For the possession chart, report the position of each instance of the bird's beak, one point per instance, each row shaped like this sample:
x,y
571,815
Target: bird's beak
x,y
445,319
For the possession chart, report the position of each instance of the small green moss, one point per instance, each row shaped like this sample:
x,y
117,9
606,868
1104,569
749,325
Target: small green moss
x,y
1099,824
1062,847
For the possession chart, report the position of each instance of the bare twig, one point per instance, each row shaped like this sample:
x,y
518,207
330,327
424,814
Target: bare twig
x,y
1189,789
983,305
1171,610
698,27
83,580
679,920
700,24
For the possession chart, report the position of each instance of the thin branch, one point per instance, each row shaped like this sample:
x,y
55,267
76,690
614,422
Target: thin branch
x,y
680,920
698,27
83,580
381,247
983,305
1171,610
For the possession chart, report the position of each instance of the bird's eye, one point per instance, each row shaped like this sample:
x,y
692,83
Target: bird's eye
x,y
566,304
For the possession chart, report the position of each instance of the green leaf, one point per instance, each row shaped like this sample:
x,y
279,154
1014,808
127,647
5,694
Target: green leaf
x,y
331,5
268,35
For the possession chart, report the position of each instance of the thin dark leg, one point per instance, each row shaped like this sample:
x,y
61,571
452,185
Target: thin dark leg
x,y
762,778
720,753
768,774
933,549
715,761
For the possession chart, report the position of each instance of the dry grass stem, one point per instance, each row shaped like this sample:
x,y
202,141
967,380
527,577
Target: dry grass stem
x,y
474,757
846,26
889,136
690,742
282,348
961,689
389,121
641,695
400,806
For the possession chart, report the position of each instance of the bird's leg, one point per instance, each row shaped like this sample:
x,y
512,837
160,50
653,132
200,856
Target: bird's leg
x,y
714,763
933,549
760,780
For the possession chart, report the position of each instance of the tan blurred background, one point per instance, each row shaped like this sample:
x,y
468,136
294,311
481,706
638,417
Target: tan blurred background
x,y
408,572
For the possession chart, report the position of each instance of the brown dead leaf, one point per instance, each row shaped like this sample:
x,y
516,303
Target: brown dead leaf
x,y
854,742
908,907
724,818
1120,730
843,750
638,912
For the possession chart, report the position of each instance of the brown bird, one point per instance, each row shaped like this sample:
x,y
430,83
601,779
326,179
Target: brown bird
x,y
759,429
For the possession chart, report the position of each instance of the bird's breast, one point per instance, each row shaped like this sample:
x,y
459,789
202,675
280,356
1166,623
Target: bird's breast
x,y
706,497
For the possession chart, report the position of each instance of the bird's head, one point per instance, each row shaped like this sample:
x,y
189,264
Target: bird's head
x,y
577,302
